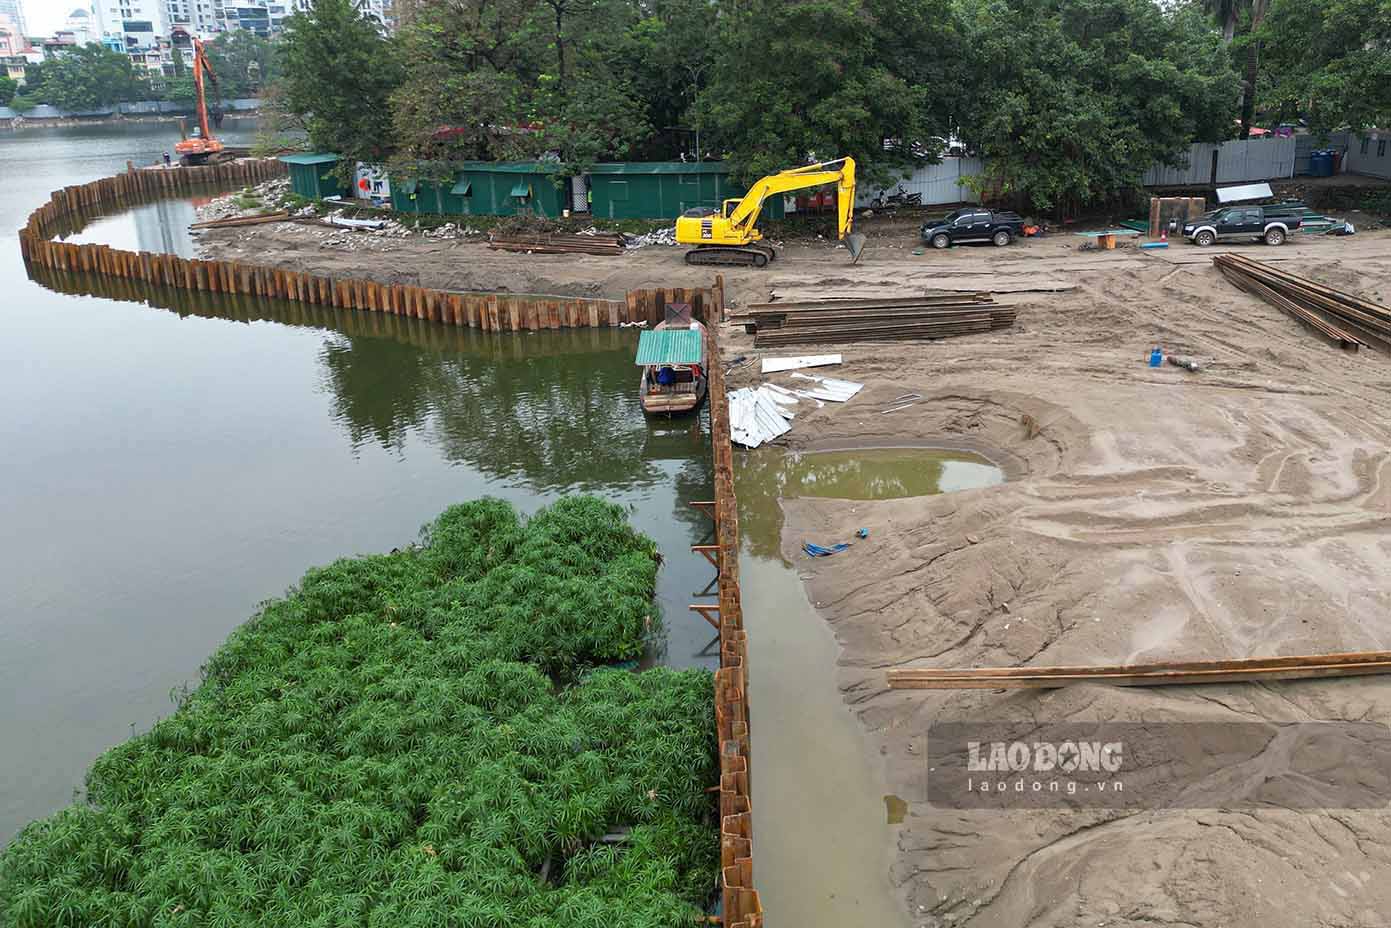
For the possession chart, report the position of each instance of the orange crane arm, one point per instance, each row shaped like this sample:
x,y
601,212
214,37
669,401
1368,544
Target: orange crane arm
x,y
201,64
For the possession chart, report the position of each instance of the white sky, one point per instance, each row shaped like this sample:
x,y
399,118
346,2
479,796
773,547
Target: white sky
x,y
45,17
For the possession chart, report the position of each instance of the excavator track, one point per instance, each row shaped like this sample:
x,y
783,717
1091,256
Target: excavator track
x,y
757,255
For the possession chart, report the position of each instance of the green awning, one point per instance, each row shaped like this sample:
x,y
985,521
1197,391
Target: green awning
x,y
462,188
408,186
310,158
670,346
521,189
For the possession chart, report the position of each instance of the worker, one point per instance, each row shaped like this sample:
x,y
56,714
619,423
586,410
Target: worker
x,y
166,159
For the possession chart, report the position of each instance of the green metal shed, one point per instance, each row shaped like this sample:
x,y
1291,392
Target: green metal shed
x,y
663,189
311,175
485,188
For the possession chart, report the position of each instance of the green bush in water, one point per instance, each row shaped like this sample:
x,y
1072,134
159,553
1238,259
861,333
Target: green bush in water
x,y
410,739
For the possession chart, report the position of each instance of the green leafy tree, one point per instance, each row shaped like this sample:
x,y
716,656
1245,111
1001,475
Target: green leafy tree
x,y
1329,61
1074,99
8,88
339,75
803,80
85,78
244,62
182,90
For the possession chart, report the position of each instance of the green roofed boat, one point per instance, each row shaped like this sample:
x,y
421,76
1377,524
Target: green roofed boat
x,y
672,358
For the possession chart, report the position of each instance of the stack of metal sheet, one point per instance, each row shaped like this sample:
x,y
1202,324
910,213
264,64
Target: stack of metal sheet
x,y
1343,319
874,319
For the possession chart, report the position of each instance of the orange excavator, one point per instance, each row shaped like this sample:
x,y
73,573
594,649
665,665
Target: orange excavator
x,y
202,147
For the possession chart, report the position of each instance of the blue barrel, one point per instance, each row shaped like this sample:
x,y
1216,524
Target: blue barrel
x,y
1321,163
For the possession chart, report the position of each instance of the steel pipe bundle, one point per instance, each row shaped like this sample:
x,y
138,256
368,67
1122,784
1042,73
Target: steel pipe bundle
x,y
559,243
814,321
1341,318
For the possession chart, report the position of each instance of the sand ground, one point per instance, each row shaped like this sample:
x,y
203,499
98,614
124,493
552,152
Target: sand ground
x,y
1151,514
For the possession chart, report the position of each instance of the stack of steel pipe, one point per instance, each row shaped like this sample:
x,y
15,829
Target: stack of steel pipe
x,y
1344,319
559,243
874,319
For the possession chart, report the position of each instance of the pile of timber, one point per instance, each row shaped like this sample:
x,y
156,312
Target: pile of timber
x,y
236,221
559,243
1343,319
874,319
1257,669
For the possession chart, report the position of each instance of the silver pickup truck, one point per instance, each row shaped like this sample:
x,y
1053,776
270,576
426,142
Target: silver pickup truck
x,y
1270,224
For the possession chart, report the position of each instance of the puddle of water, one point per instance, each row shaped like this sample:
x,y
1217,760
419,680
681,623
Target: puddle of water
x,y
823,814
872,473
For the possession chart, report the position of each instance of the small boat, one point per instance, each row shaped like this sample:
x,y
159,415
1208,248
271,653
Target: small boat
x,y
672,357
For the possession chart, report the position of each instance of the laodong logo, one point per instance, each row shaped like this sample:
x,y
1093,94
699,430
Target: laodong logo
x,y
1045,757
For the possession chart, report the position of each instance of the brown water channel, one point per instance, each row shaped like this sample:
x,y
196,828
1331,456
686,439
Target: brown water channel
x,y
823,825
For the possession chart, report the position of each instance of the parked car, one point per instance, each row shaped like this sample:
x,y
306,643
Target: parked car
x,y
1270,224
974,224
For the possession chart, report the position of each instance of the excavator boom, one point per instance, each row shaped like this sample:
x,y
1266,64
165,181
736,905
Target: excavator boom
x,y
731,236
194,151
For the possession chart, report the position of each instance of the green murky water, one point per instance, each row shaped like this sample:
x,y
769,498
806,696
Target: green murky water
x,y
816,781
168,466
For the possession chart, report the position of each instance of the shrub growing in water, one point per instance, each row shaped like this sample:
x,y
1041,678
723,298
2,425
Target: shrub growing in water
x,y
388,746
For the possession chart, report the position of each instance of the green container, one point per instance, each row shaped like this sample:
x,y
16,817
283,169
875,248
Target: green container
x,y
311,175
484,188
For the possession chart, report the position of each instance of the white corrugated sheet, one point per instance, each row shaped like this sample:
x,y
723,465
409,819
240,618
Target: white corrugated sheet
x,y
774,365
828,388
1244,192
757,416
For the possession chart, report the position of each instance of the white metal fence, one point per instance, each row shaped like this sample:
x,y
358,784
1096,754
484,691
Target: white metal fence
x,y
937,183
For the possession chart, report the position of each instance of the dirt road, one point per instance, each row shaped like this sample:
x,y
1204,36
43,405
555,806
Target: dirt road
x,y
1152,514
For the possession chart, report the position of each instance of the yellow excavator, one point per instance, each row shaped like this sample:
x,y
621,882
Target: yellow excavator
x,y
730,236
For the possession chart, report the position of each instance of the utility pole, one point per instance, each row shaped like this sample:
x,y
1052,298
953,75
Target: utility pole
x,y
695,73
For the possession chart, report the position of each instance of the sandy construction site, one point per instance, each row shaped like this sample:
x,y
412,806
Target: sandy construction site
x,y
1150,514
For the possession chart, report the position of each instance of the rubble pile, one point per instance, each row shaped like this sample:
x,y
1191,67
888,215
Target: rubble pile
x,y
666,236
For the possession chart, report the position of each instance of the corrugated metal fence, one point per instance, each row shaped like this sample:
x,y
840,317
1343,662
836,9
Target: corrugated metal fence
x,y
1231,162
138,108
937,183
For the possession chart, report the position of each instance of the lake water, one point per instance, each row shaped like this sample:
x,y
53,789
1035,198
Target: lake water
x,y
165,470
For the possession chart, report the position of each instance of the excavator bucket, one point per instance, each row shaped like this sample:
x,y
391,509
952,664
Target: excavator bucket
x,y
856,243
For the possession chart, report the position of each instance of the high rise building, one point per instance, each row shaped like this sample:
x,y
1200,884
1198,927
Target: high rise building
x,y
13,10
136,22
203,18
81,26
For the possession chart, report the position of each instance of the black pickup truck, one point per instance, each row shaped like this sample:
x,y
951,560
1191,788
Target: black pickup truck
x,y
1270,224
974,224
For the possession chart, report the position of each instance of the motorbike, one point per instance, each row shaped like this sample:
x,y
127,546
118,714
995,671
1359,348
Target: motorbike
x,y
899,197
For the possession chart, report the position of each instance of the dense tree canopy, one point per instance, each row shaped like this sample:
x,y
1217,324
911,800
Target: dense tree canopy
x,y
85,78
244,62
339,75
1328,61
1075,99
1069,100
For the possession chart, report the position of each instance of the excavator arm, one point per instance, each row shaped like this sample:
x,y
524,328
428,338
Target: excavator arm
x,y
731,236
199,150
201,67
841,173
